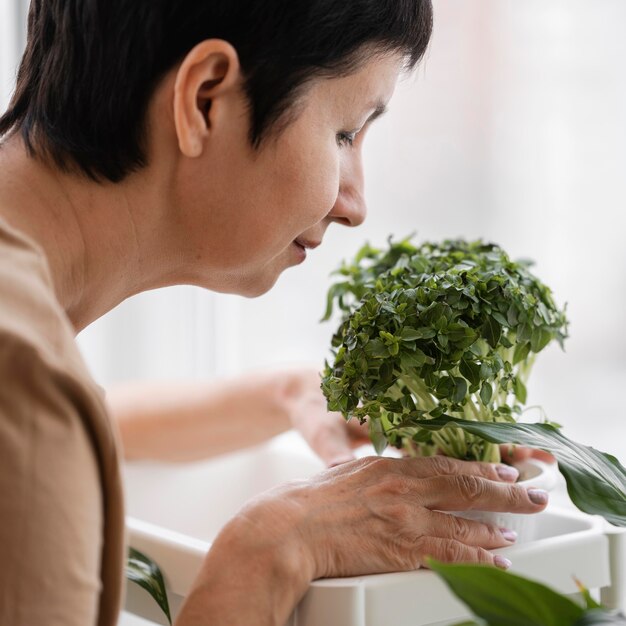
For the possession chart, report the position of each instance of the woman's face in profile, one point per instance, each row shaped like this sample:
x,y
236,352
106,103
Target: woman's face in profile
x,y
267,205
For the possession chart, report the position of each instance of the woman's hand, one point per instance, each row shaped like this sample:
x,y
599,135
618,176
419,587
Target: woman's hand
x,y
328,434
367,516
188,421
379,514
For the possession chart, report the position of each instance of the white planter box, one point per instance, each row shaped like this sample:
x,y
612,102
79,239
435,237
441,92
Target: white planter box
x,y
174,511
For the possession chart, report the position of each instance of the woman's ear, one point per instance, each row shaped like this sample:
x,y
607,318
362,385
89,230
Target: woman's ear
x,y
207,73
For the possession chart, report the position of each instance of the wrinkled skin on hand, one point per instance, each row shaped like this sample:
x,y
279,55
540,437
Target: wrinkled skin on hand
x,y
377,515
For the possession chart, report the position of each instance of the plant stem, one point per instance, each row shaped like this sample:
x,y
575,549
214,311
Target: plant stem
x,y
474,409
419,390
443,444
491,453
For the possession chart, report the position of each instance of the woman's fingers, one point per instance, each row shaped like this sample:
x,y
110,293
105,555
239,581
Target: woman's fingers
x,y
452,551
466,492
443,465
468,532
440,483
382,514
326,433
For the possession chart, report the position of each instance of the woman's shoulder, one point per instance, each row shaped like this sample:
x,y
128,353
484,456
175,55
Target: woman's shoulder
x,y
29,310
33,325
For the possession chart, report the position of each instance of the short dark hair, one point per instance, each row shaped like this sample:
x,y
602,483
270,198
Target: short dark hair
x,y
91,67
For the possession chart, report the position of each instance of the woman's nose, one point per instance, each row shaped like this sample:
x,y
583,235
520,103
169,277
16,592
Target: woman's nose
x,y
350,208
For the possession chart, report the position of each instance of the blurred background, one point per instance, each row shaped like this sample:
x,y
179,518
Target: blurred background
x,y
513,129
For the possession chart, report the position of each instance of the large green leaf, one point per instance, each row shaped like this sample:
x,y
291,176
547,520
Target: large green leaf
x,y
504,599
596,481
145,572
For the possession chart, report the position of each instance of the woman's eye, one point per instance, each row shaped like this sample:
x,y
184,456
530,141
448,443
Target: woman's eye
x,y
345,139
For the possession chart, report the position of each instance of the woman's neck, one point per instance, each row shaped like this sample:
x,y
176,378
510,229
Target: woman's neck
x,y
93,239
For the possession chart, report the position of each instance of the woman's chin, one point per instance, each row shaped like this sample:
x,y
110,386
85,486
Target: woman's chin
x,y
250,284
258,284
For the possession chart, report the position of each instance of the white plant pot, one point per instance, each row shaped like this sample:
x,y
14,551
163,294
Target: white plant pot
x,y
533,473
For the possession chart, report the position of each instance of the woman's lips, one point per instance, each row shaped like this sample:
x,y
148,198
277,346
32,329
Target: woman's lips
x,y
299,250
301,245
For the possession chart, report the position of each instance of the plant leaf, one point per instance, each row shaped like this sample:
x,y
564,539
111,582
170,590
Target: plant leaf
x,y
460,389
590,603
520,390
521,352
492,331
504,599
377,436
596,481
486,391
145,572
470,370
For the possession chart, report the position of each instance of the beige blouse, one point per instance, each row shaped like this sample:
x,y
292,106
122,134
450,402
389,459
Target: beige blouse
x,y
62,541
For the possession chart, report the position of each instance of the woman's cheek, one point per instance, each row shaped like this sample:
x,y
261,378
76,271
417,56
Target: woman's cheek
x,y
325,190
310,180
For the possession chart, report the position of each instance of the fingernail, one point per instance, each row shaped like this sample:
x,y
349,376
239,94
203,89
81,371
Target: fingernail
x,y
508,534
507,472
538,496
501,562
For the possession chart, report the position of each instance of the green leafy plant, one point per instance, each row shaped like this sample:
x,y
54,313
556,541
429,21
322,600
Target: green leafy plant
x,y
499,598
143,571
434,347
450,328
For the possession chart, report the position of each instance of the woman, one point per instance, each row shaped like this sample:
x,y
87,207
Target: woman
x,y
208,143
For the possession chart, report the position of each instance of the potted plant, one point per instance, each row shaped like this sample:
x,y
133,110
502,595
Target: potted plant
x,y
434,347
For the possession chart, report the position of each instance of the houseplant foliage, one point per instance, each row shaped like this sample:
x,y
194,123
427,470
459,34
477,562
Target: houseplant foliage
x,y
499,598
450,328
435,345
143,571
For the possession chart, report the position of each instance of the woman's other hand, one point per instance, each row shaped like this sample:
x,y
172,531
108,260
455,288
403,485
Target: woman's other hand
x,y
328,434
